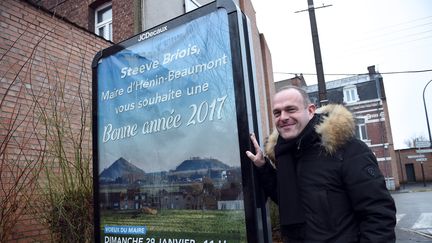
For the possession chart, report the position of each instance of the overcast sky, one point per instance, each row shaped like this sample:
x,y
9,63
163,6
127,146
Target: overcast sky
x,y
393,35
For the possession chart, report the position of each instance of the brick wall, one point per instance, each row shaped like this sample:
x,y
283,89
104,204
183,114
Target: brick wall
x,y
75,11
410,156
123,20
377,132
39,54
81,12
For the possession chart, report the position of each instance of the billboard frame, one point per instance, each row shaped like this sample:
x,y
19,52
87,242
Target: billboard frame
x,y
245,102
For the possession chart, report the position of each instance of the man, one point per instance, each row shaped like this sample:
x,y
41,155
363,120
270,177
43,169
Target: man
x,y
326,182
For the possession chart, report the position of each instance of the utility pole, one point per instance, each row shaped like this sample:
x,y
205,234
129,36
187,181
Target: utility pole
x,y
322,94
426,112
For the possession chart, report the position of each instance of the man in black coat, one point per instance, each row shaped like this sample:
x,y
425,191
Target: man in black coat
x,y
327,183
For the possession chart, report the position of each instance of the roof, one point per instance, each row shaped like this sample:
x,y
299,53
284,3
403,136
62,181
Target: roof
x,y
362,78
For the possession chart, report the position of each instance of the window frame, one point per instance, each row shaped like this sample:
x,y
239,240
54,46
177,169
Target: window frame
x,y
361,129
106,23
350,94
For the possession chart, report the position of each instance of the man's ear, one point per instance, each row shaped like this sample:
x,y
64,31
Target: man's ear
x,y
311,109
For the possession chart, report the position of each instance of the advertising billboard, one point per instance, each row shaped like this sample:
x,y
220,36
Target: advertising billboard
x,y
168,147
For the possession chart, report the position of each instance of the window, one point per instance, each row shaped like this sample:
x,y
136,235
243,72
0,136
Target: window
x,y
103,21
350,94
361,132
191,5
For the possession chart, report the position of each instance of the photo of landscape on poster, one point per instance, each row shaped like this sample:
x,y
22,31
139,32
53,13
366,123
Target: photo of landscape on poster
x,y
169,163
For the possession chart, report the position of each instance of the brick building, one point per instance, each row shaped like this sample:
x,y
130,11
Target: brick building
x,y
415,165
364,96
46,50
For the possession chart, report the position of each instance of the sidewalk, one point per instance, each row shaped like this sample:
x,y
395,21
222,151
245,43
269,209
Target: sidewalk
x,y
414,187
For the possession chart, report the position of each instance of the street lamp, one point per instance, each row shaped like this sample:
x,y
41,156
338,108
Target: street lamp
x,y
427,118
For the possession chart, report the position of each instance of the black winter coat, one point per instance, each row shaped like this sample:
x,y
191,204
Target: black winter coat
x,y
342,192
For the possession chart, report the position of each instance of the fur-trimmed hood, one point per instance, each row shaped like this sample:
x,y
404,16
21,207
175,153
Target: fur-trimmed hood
x,y
337,126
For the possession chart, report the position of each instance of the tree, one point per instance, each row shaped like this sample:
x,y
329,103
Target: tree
x,y
22,147
68,173
411,142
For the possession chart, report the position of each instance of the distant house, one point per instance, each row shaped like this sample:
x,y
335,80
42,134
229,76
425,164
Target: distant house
x,y
133,199
173,200
415,165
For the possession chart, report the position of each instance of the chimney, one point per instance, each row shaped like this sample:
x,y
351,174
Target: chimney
x,y
371,70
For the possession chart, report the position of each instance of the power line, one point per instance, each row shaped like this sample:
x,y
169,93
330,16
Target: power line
x,y
394,42
389,32
398,25
398,34
354,74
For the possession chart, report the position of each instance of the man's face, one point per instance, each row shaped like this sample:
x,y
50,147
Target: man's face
x,y
291,115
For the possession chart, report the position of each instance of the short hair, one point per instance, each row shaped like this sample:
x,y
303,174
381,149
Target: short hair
x,y
304,94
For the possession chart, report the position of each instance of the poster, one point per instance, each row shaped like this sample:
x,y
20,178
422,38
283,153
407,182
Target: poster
x,y
167,138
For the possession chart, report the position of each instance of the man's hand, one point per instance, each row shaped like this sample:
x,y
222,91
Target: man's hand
x,y
258,158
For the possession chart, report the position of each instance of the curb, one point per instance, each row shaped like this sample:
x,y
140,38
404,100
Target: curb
x,y
418,232
416,189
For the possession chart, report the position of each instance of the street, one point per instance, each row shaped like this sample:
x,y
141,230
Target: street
x,y
414,216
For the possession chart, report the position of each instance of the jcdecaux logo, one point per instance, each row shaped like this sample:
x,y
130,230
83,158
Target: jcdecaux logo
x,y
149,34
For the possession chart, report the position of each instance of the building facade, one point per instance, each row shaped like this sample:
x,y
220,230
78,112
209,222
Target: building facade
x,y
415,165
364,96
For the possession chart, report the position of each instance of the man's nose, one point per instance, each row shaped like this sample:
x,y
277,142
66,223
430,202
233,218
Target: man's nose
x,y
284,115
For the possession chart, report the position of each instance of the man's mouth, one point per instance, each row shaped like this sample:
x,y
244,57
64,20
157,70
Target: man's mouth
x,y
287,125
